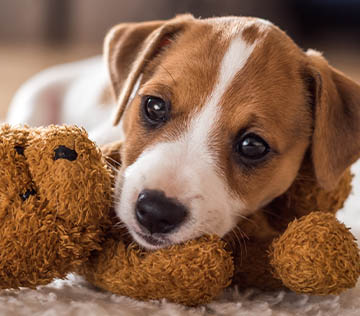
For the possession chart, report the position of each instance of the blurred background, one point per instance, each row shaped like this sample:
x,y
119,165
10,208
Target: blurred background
x,y
35,34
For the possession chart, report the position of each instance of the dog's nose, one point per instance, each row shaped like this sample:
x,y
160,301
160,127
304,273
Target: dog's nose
x,y
158,213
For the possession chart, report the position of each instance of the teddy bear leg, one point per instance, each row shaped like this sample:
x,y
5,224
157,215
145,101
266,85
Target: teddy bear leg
x,y
316,255
191,274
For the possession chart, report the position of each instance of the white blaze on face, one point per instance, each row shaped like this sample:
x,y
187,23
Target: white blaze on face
x,y
186,168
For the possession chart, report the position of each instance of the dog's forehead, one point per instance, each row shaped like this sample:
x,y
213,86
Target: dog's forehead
x,y
222,71
206,47
251,29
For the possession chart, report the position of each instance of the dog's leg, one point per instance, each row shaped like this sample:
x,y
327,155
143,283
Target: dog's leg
x,y
37,102
42,99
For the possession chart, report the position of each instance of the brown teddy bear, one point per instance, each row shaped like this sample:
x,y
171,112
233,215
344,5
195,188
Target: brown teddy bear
x,y
56,217
55,195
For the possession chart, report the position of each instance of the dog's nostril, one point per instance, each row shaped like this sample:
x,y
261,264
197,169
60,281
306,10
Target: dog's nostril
x,y
141,196
157,213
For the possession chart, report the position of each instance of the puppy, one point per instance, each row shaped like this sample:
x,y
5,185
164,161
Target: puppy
x,y
216,116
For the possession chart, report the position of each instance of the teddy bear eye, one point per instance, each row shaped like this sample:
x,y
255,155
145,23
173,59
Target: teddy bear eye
x,y
63,152
19,150
26,195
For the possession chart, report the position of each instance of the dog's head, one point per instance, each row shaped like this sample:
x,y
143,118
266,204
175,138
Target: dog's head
x,y
218,114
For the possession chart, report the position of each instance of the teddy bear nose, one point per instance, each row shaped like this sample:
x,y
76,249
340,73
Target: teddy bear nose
x,y
158,213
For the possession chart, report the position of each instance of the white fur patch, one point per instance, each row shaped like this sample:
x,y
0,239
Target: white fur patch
x,y
187,169
183,169
234,60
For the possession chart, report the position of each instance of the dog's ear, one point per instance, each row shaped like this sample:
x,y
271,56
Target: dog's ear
x,y
336,135
128,48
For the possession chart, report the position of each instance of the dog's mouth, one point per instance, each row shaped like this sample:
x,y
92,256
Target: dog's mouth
x,y
153,241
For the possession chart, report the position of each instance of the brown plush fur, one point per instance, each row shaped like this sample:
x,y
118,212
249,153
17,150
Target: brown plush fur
x,y
319,261
54,230
66,224
191,274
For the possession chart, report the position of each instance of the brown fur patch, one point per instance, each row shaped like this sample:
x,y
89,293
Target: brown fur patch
x,y
250,34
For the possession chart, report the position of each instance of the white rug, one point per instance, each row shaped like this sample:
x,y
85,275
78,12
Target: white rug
x,y
76,297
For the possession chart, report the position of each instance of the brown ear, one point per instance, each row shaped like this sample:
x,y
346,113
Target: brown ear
x,y
128,47
336,137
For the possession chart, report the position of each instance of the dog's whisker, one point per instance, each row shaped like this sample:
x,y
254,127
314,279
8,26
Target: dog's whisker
x,y
243,236
248,219
272,213
112,167
113,160
238,242
168,72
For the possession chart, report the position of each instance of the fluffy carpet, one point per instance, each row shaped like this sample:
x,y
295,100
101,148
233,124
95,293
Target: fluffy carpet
x,y
74,296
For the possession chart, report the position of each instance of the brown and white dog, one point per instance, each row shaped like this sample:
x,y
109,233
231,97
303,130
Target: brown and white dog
x,y
216,116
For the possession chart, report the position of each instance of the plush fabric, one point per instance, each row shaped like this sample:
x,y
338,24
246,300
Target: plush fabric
x,y
130,270
48,223
326,263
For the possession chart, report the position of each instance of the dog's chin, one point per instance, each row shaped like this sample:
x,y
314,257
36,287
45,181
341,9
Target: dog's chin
x,y
149,241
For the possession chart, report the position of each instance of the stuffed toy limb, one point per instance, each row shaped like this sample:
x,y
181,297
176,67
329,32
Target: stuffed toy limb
x,y
55,218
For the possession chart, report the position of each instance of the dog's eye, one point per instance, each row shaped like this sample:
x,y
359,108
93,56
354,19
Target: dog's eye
x,y
155,110
251,147
63,152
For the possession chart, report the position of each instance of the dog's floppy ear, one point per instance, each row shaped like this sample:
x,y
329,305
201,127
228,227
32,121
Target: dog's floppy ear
x,y
128,48
336,136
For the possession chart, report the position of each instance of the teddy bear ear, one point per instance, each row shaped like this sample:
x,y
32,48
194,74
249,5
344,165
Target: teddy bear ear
x,y
336,136
129,47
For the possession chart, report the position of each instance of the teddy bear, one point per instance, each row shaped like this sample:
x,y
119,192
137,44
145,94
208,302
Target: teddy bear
x,y
55,193
56,217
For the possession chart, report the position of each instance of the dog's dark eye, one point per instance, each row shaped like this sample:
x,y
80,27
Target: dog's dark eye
x,y
63,152
251,147
155,110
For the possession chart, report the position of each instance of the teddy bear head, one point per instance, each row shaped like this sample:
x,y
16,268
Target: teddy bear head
x,y
55,196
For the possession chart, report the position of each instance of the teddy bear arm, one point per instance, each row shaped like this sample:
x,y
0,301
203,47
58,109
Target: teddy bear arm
x,y
317,255
190,274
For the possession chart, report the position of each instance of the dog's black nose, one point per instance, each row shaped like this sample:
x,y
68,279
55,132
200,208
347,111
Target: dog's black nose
x,y
157,213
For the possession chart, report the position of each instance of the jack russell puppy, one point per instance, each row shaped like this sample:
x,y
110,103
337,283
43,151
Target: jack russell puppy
x,y
216,116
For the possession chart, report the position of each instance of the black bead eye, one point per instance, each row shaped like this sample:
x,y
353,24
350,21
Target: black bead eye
x,y
63,152
19,149
26,195
155,110
252,147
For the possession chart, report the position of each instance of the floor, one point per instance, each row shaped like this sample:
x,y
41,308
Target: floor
x,y
18,62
